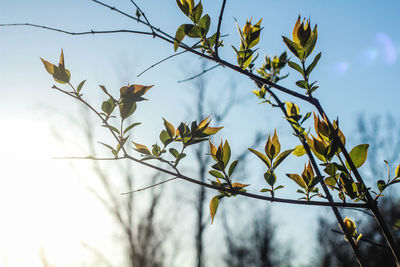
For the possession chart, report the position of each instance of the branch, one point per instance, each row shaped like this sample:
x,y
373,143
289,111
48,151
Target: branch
x,y
74,33
250,195
221,14
150,186
161,61
144,16
364,239
199,74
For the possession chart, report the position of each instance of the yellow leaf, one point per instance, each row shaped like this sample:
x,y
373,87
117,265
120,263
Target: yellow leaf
x,y
239,185
141,149
170,128
213,207
49,66
295,30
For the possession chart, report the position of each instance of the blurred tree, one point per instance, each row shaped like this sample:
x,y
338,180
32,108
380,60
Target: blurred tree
x,y
218,111
142,238
256,246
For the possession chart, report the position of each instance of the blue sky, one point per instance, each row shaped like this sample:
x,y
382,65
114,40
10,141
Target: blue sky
x,y
358,71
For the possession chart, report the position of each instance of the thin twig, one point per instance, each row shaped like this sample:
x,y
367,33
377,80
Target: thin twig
x,y
161,61
250,195
221,14
150,186
74,33
144,16
199,74
367,240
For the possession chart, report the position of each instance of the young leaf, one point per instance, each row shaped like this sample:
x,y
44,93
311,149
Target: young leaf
x,y
313,64
204,23
282,157
213,207
127,129
170,128
358,155
174,152
381,185
296,66
299,151
126,109
48,66
197,11
232,167
239,185
212,130
141,149
262,157
226,153
298,179
270,178
79,88
216,174
397,171
179,35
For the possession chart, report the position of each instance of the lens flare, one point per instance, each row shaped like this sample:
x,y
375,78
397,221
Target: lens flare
x,y
386,48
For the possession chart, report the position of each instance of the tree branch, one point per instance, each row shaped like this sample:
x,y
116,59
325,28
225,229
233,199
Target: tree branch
x,y
150,186
199,74
74,33
250,195
221,14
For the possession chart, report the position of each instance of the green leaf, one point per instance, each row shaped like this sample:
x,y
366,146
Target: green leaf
x,y
279,187
315,181
126,109
299,151
262,157
282,157
165,138
184,7
265,190
381,185
313,64
298,179
109,147
270,178
112,128
232,167
108,106
358,155
141,149
79,88
296,66
310,45
197,11
179,35
174,152
330,181
204,23
276,144
226,153
170,128
295,48
302,84
127,129
193,31
213,207
216,174
211,130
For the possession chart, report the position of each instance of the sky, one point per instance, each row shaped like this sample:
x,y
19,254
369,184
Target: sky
x,y
358,74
